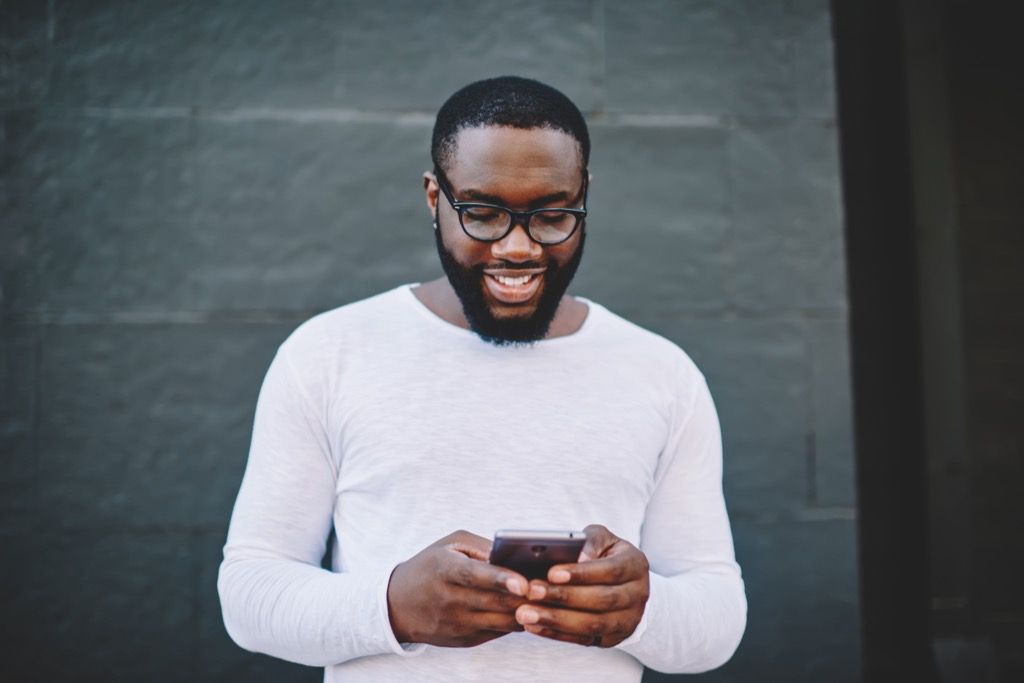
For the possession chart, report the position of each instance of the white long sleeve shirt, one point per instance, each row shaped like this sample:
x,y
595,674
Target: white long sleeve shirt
x,y
394,428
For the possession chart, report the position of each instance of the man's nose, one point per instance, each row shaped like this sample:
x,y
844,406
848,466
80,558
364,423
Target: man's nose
x,y
517,245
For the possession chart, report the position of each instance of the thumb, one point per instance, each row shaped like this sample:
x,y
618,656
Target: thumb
x,y
599,540
470,551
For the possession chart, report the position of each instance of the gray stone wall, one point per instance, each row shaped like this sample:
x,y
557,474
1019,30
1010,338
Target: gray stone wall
x,y
182,184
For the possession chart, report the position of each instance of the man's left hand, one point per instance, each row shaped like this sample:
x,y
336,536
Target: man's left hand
x,y
596,601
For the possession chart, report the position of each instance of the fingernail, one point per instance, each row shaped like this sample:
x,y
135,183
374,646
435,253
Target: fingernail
x,y
537,592
559,576
527,616
515,586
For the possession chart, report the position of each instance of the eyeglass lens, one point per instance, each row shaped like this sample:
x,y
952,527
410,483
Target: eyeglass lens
x,y
489,223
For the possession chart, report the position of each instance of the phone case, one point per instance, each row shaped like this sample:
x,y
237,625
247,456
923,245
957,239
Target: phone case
x,y
532,554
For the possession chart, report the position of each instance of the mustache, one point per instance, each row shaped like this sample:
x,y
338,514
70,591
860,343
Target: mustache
x,y
507,265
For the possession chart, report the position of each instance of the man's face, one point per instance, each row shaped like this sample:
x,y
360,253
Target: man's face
x,y
510,289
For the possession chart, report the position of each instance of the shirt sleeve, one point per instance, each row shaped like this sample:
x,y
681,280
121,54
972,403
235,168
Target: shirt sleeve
x,y
275,597
697,609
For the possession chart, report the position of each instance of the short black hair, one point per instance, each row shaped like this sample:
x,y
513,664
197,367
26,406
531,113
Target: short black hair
x,y
505,101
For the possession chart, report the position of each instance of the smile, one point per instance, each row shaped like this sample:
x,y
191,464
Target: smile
x,y
513,287
513,281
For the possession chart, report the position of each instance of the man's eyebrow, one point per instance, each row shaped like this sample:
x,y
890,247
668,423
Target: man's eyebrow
x,y
477,196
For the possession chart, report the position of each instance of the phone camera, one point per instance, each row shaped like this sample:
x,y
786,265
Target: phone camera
x,y
538,549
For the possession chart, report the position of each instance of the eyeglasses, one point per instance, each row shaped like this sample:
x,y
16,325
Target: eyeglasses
x,y
491,222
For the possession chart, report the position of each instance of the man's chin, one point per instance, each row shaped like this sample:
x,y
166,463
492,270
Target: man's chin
x,y
511,323
502,311
509,317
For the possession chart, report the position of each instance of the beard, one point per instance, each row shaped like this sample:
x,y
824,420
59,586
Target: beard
x,y
468,283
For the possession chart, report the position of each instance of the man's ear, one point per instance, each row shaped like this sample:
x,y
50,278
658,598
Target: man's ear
x,y
432,190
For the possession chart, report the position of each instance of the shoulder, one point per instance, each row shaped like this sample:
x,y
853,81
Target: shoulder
x,y
336,327
318,349
675,380
641,347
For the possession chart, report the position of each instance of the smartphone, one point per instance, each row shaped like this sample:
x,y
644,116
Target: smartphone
x,y
532,552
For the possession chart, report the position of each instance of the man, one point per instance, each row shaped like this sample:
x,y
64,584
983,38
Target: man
x,y
416,423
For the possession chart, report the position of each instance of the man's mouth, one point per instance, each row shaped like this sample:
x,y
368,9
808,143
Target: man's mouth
x,y
512,286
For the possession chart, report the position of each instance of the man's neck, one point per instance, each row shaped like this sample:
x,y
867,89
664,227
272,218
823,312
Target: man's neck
x,y
440,298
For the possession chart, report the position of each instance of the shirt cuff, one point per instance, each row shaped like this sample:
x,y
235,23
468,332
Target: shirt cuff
x,y
395,647
652,600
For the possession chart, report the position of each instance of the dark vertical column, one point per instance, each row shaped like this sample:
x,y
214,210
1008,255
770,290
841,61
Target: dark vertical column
x,y
891,465
938,242
987,101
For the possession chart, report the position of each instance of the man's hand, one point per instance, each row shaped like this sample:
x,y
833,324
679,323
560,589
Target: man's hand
x,y
449,595
597,601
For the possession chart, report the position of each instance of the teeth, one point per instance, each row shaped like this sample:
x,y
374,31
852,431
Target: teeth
x,y
513,281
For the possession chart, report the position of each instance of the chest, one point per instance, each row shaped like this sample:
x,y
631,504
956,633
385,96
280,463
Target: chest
x,y
435,428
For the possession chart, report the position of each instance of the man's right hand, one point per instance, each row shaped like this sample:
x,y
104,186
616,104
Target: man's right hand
x,y
449,595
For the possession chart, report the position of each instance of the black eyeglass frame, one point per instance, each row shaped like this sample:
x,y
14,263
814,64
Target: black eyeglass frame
x,y
516,216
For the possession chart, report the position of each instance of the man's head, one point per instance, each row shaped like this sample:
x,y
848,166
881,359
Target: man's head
x,y
506,101
522,145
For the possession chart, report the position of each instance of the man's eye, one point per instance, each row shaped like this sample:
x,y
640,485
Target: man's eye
x,y
482,215
554,218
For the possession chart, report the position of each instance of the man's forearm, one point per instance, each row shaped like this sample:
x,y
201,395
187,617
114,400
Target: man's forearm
x,y
304,614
